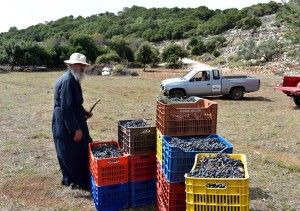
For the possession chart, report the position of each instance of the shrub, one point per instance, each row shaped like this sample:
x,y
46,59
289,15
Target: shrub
x,y
120,70
249,23
107,58
216,53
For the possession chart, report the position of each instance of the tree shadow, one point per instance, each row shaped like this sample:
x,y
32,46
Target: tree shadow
x,y
259,98
258,193
3,72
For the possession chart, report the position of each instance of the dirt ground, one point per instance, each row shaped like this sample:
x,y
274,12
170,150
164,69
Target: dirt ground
x,y
264,126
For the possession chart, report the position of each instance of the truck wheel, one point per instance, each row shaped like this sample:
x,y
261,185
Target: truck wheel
x,y
236,93
297,100
177,93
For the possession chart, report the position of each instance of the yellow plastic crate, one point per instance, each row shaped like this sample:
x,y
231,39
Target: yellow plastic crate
x,y
234,197
159,146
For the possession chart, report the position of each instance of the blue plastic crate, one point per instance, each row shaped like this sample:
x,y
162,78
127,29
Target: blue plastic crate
x,y
176,162
110,197
142,192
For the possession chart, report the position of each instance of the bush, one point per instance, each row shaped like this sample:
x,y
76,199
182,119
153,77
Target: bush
x,y
249,23
107,58
207,57
219,61
216,53
120,70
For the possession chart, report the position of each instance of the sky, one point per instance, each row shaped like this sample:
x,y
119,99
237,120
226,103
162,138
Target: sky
x,y
25,13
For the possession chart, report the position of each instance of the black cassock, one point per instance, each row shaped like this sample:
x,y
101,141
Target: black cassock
x,y
69,116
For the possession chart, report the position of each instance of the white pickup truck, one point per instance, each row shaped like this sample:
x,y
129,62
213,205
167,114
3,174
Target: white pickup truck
x,y
194,83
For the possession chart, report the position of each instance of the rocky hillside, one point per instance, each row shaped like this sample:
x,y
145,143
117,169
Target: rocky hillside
x,y
285,64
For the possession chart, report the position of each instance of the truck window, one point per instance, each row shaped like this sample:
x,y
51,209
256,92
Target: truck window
x,y
216,74
201,76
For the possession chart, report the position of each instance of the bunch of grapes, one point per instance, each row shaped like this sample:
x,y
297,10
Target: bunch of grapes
x,y
138,123
220,166
198,144
182,100
106,151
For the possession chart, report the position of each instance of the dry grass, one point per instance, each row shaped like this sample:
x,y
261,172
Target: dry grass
x,y
264,126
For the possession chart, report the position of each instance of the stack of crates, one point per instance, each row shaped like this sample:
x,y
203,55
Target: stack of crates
x,y
140,144
197,118
109,179
233,196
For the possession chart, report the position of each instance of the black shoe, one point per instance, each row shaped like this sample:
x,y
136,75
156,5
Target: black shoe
x,y
85,188
77,187
74,186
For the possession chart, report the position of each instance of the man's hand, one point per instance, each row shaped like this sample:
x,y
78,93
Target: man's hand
x,y
78,135
88,114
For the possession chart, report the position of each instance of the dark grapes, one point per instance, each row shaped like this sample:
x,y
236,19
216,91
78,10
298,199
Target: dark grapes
x,y
106,151
198,144
138,123
220,166
181,100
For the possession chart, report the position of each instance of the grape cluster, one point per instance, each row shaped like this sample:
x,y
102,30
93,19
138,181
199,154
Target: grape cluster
x,y
138,123
182,100
198,144
220,166
106,151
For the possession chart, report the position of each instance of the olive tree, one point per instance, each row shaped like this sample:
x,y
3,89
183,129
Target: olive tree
x,y
145,54
173,53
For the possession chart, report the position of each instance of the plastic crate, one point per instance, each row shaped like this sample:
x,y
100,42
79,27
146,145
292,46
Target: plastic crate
x,y
142,192
110,197
177,162
172,195
142,167
137,140
159,145
159,189
187,119
159,174
109,171
235,195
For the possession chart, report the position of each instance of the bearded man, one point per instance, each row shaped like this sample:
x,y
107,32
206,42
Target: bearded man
x,y
69,126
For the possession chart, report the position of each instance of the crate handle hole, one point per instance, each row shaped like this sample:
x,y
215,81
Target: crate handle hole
x,y
113,161
215,185
145,131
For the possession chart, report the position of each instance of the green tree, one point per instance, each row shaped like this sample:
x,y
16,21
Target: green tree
x,y
14,53
173,53
121,46
197,46
145,54
85,44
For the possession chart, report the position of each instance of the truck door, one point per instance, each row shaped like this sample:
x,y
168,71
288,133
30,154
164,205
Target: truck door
x,y
216,87
200,84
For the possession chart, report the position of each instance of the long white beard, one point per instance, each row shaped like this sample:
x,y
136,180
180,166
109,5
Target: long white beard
x,y
79,76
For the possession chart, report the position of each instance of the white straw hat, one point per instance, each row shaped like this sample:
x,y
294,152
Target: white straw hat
x,y
76,58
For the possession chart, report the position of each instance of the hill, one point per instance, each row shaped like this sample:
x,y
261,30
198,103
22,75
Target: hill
x,y
250,36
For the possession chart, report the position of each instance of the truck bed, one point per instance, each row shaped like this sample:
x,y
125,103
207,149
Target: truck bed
x,y
287,89
235,76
